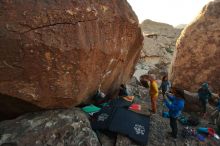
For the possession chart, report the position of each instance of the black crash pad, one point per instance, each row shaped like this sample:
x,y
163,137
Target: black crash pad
x,y
131,124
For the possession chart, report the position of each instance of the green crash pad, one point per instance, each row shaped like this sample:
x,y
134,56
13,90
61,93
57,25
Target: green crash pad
x,y
91,109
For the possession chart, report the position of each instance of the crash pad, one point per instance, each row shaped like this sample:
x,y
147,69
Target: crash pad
x,y
102,119
135,106
91,109
131,124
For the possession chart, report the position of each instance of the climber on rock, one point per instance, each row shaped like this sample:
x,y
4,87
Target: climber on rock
x,y
204,95
175,104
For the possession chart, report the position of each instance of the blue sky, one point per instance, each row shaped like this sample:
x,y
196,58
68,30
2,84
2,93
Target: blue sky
x,y
173,12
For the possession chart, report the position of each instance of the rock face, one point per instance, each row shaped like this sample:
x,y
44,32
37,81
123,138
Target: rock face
x,y
197,55
192,103
58,53
123,140
159,45
52,128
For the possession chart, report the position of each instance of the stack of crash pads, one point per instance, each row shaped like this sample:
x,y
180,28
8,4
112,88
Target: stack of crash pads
x,y
118,118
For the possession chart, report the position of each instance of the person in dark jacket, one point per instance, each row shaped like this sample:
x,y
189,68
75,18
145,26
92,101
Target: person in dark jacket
x,y
122,91
165,85
175,104
204,96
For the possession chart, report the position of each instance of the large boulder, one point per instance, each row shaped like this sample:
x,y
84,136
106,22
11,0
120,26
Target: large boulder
x,y
192,103
52,128
197,56
58,53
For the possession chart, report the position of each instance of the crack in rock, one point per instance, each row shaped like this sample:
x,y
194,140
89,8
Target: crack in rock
x,y
50,25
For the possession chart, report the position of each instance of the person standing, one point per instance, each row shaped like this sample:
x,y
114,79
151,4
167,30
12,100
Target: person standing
x,y
175,104
165,85
154,92
204,96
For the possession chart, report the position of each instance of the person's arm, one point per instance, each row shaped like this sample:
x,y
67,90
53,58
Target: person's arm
x,y
167,99
170,97
169,105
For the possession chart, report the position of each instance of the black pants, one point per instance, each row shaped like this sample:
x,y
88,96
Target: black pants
x,y
204,104
163,92
173,125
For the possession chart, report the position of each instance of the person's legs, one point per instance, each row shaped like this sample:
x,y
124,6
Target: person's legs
x,y
203,107
154,104
163,93
173,125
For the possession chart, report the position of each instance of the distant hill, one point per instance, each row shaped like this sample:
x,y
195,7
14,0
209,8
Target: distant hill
x,y
149,26
181,26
